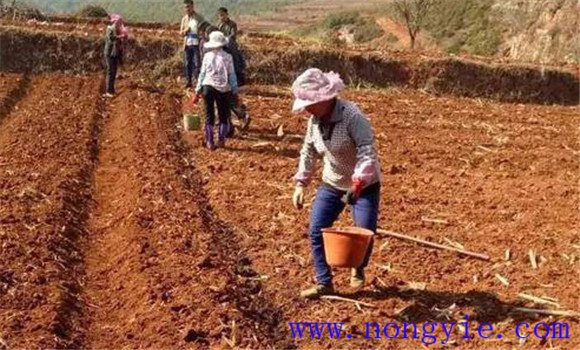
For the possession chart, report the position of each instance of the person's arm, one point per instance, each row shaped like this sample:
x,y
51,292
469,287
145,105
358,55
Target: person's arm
x,y
361,132
308,157
184,27
111,34
202,74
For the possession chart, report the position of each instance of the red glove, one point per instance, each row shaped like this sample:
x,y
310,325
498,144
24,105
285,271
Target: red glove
x,y
354,193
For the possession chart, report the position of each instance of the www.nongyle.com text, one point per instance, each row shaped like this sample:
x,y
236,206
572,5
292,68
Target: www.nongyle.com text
x,y
425,333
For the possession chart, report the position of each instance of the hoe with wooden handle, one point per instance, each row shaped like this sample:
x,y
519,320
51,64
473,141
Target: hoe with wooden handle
x,y
433,245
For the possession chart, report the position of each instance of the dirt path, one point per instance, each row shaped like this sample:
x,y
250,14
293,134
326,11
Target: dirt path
x,y
396,29
399,30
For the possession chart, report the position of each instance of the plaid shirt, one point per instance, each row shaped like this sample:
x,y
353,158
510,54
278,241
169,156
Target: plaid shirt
x,y
346,143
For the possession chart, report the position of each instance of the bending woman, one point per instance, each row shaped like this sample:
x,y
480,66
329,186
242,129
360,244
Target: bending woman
x,y
341,134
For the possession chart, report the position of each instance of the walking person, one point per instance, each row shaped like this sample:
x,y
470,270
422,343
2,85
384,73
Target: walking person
x,y
230,29
115,36
217,83
341,134
190,25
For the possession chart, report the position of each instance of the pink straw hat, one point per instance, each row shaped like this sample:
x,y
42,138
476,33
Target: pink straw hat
x,y
314,86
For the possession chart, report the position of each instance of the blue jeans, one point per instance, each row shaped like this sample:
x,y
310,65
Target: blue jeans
x,y
192,63
326,209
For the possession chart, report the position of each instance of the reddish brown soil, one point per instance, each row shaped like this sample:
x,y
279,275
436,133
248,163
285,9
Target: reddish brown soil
x,y
45,161
8,83
502,175
115,233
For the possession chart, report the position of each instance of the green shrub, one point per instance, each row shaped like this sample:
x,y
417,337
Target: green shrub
x,y
365,29
391,38
94,11
367,32
338,20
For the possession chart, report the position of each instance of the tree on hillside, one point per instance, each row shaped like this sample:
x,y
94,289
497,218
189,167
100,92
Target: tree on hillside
x,y
414,13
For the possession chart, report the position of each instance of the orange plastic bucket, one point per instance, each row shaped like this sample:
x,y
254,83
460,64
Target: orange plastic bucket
x,y
346,246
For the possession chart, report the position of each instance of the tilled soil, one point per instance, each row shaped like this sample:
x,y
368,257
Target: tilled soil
x,y
117,230
157,274
108,239
502,176
46,147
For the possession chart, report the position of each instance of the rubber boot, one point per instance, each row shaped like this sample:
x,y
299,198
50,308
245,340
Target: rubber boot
x,y
209,137
223,133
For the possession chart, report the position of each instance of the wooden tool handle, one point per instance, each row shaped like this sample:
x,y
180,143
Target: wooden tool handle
x,y
433,245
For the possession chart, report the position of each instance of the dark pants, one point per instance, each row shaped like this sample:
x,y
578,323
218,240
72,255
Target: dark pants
x,y
192,63
112,65
213,97
326,209
239,63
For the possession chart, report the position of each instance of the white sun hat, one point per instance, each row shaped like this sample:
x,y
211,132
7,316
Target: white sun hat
x,y
216,40
314,86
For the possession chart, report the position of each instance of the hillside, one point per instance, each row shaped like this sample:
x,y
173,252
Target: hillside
x,y
538,31
541,30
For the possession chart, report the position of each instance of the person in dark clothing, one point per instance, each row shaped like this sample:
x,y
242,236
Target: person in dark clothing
x,y
230,30
115,35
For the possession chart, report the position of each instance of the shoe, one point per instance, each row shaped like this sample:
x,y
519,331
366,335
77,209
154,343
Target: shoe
x,y
357,278
108,95
242,113
317,291
210,146
247,121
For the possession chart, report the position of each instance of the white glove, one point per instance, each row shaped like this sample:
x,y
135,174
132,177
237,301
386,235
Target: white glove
x,y
298,197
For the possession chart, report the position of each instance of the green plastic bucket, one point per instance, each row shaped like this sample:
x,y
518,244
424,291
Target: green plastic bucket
x,y
191,122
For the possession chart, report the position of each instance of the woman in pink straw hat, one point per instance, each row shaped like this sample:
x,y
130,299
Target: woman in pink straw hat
x,y
115,36
341,134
